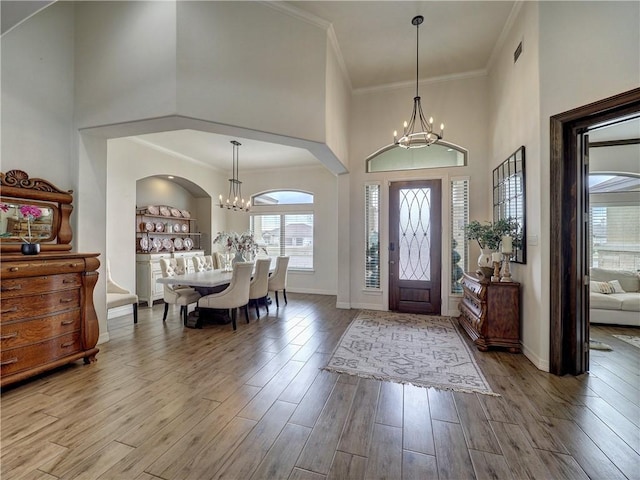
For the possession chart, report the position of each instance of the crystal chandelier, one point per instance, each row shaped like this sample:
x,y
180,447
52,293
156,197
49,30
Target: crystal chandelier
x,y
425,135
235,200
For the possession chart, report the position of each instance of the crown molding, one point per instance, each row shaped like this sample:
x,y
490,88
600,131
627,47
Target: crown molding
x,y
426,81
173,153
316,21
508,25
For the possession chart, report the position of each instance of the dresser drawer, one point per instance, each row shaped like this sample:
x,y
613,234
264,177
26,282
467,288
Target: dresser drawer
x,y
18,334
48,283
38,305
22,358
40,267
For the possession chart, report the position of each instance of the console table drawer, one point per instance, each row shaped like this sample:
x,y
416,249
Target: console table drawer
x,y
18,334
41,267
17,287
22,358
38,305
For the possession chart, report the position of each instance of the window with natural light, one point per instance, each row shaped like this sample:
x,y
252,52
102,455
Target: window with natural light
x,y
459,245
614,221
285,230
372,252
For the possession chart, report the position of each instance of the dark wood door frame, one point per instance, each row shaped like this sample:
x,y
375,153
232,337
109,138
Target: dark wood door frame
x,y
569,302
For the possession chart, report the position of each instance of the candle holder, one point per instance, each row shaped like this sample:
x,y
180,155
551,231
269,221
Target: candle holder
x,y
506,272
496,257
496,272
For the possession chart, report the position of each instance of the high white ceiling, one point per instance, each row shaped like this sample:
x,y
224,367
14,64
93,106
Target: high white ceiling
x,y
378,45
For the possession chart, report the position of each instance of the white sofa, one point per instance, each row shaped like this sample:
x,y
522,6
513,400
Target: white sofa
x,y
615,308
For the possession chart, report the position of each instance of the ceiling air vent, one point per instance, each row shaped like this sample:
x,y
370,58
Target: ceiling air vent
x,y
517,53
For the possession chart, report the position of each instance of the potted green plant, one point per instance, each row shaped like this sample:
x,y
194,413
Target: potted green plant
x,y
489,236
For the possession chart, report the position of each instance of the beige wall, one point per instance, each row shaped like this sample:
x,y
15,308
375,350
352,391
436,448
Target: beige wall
x,y
463,106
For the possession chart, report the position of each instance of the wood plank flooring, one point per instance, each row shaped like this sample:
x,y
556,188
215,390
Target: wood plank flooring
x,y
167,402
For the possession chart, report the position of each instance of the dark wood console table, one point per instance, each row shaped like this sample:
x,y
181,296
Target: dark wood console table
x,y
490,312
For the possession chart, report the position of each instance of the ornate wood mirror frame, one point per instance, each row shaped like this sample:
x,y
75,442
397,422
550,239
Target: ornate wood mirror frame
x,y
16,189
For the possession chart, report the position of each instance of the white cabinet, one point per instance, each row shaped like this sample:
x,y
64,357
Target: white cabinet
x,y
148,272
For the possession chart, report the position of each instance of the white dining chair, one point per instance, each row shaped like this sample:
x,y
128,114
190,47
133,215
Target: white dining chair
x,y
118,296
185,265
176,294
203,263
278,279
259,286
235,296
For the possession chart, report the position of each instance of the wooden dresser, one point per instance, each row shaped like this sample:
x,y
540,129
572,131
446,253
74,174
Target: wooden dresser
x,y
48,317
490,312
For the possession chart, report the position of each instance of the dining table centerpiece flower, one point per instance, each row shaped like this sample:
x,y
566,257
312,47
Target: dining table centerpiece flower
x,y
242,245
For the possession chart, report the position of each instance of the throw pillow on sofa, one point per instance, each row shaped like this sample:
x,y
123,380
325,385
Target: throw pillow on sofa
x,y
602,287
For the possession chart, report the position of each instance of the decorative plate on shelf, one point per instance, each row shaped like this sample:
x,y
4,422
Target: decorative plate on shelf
x,y
184,227
157,244
175,212
186,214
149,226
177,242
153,210
165,211
167,244
177,228
144,243
188,244
159,227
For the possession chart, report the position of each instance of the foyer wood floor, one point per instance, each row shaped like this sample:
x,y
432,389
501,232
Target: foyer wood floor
x,y
168,402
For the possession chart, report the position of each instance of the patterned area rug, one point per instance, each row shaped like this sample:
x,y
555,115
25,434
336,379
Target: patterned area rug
x,y
422,350
635,341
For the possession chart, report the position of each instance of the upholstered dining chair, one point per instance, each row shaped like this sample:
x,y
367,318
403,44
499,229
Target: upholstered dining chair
x,y
185,265
235,296
278,279
176,295
220,259
203,263
118,296
258,288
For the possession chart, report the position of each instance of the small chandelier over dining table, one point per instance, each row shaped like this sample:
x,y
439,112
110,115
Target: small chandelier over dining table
x,y
235,201
426,135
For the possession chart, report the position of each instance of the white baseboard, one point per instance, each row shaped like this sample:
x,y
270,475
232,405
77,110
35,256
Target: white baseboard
x,y
103,338
119,311
539,363
343,305
312,291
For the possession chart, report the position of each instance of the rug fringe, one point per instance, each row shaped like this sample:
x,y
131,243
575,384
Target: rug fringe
x,y
407,382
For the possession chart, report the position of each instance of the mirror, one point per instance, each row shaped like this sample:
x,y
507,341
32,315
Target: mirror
x,y
17,226
33,210
509,199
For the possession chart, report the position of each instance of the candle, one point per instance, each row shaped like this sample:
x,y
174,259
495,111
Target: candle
x,y
507,244
496,257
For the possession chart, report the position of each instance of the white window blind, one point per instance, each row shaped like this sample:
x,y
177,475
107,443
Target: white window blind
x,y
615,236
459,245
286,234
372,242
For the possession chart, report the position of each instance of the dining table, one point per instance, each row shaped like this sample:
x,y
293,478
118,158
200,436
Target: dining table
x,y
205,283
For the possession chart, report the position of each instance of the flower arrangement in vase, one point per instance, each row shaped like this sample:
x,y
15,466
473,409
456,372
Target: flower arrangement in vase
x,y
242,245
30,213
